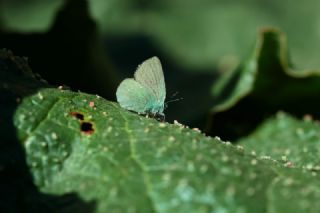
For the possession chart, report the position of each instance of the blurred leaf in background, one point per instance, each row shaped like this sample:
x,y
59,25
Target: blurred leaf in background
x,y
207,33
67,51
195,40
261,86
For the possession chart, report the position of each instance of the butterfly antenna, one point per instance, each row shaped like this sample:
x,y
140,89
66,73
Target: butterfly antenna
x,y
174,95
174,100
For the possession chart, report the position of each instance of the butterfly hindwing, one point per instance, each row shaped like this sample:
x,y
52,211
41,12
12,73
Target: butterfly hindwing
x,y
150,75
133,96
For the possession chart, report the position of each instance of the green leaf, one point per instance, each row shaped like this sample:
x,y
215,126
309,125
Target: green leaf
x,y
287,139
203,34
18,192
35,15
115,160
267,82
295,143
199,34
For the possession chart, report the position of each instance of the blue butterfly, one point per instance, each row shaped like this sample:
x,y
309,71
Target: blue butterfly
x,y
146,92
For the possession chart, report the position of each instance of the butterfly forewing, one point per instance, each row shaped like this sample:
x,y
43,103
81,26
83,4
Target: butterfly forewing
x,y
150,75
133,96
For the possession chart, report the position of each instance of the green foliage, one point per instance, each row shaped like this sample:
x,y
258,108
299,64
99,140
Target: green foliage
x,y
287,139
265,82
66,151
198,34
119,161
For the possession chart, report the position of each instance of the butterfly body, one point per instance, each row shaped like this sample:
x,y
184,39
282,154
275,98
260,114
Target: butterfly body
x,y
146,92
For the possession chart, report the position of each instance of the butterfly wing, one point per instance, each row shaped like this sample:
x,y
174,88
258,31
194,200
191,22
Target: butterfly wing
x,y
131,95
150,74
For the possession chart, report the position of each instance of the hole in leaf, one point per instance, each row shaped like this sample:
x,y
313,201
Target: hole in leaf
x,y
78,115
87,128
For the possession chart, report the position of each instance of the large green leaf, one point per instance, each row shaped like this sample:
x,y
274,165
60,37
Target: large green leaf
x,y
262,85
117,161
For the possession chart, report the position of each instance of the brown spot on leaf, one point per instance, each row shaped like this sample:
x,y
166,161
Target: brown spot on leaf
x,y
78,115
87,128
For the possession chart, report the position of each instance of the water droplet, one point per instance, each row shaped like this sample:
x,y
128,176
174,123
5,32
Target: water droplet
x,y
175,122
171,139
309,166
162,125
288,182
287,152
254,162
225,158
217,138
166,177
40,96
265,157
227,143
54,136
196,129
240,148
204,168
284,158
